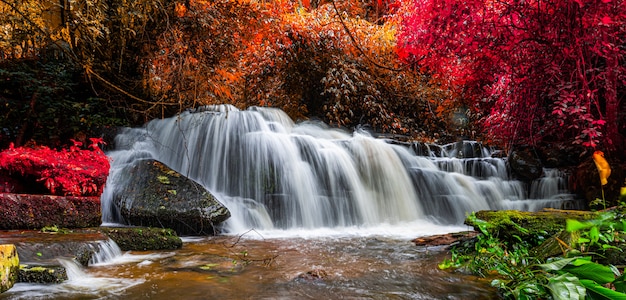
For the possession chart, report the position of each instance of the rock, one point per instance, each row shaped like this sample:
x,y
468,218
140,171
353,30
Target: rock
x,y
9,267
26,211
448,239
313,275
143,238
560,155
507,224
525,164
42,274
43,248
157,196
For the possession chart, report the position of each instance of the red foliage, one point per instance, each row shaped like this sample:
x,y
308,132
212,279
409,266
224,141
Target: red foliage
x,y
76,171
537,70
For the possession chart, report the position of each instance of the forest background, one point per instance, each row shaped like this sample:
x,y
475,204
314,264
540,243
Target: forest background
x,y
508,73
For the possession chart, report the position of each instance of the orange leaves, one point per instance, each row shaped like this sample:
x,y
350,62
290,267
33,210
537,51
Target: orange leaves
x,y
604,170
180,9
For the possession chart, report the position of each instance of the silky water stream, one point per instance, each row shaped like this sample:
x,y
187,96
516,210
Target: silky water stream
x,y
316,212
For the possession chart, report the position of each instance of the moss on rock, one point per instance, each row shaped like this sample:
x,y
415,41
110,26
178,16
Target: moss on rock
x,y
528,226
9,267
143,238
42,274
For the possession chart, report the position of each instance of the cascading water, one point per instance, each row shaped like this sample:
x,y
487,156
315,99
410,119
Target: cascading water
x,y
272,173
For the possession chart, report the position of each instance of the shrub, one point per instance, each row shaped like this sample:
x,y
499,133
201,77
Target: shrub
x,y
76,172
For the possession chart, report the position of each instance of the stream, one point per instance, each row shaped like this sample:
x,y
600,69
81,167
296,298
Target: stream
x,y
351,263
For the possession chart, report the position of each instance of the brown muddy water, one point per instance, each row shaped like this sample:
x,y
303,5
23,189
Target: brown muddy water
x,y
254,267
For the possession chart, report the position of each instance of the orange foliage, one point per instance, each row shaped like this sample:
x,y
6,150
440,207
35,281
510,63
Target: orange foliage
x,y
328,62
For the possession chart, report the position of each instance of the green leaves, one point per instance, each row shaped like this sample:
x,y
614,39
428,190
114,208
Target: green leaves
x,y
565,287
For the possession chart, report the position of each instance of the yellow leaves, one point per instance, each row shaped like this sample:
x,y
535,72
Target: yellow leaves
x,y
604,170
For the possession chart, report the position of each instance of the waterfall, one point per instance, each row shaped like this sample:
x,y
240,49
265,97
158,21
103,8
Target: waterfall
x,y
272,173
104,251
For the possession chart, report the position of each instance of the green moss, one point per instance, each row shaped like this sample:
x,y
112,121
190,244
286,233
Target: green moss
x,y
143,238
533,227
42,274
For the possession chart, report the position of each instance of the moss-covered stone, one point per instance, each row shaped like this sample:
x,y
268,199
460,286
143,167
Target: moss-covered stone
x,y
42,274
509,224
143,238
157,196
9,267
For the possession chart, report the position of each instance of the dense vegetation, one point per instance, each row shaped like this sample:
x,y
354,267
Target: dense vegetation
x,y
505,72
583,259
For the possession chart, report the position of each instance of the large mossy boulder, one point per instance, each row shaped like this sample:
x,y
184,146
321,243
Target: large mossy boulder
x,y
143,238
9,267
29,211
157,196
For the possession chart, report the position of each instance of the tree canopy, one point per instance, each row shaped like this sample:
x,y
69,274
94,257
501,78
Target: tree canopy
x,y
534,70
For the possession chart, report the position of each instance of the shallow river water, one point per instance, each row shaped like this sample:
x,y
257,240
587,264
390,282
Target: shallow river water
x,y
256,266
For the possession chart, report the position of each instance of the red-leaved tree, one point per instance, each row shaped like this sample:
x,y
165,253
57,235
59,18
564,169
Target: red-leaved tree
x,y
538,70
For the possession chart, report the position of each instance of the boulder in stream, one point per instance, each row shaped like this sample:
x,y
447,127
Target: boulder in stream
x,y
157,196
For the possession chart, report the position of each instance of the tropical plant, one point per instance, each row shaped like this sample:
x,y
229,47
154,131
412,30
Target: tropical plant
x,y
518,274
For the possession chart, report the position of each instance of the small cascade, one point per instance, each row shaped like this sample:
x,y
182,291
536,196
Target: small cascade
x,y
104,251
274,174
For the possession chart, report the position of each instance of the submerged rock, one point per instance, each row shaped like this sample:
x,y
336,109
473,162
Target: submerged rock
x,y
143,238
9,267
42,274
157,196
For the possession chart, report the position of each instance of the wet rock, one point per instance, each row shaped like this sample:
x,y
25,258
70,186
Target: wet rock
x,y
143,238
213,264
26,211
9,267
157,196
313,275
525,164
447,240
43,248
42,274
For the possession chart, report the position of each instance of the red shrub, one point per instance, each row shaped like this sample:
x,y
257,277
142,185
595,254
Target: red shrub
x,y
76,171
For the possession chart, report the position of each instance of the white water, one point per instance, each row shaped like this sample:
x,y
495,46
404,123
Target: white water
x,y
274,175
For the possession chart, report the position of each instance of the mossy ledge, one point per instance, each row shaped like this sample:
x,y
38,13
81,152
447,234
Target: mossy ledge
x,y
506,224
42,274
143,238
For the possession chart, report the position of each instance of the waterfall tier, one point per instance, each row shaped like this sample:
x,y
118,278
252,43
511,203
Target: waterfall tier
x,y
273,173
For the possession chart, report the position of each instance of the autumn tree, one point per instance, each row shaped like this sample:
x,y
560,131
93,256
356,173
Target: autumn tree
x,y
335,65
536,70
